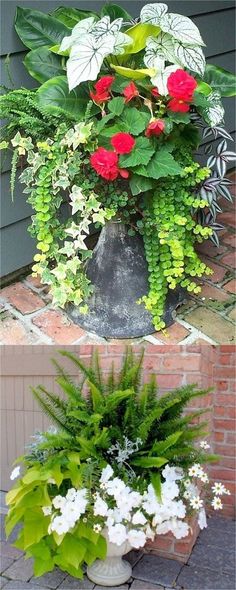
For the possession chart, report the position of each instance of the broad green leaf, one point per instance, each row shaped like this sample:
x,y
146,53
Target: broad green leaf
x,y
84,530
42,566
149,462
114,11
73,550
56,49
221,80
139,34
31,475
162,164
42,64
140,184
134,74
153,13
101,547
37,29
102,123
71,16
35,527
203,88
182,28
156,482
41,550
136,121
179,117
55,98
116,105
13,518
141,153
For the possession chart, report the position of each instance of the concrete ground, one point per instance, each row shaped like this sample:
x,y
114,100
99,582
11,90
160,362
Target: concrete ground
x,y
210,567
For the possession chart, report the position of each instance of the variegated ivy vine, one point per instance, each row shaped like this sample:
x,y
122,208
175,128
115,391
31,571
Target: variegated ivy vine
x,y
115,125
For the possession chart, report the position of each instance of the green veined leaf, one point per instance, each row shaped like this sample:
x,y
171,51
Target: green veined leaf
x,y
149,462
37,29
54,97
114,11
140,184
221,80
116,105
136,121
71,16
162,164
42,64
141,153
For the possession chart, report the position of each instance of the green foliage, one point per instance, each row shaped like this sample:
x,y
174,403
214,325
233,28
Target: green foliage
x,y
43,65
37,29
114,11
221,80
71,16
54,97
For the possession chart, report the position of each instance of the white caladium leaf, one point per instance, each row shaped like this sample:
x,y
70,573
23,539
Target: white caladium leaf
x,y
190,57
214,112
181,28
83,27
160,79
121,41
86,58
152,13
105,27
161,47
153,54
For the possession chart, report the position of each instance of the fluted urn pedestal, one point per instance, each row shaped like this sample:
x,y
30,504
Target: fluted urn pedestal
x,y
113,570
119,274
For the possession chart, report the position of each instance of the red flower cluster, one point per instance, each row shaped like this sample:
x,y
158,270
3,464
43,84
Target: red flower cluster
x,y
130,92
105,162
181,87
102,88
155,127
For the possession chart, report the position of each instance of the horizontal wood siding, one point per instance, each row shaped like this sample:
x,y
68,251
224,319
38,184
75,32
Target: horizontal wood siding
x,y
216,20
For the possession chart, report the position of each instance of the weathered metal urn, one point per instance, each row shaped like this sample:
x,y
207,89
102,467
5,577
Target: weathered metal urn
x,y
119,274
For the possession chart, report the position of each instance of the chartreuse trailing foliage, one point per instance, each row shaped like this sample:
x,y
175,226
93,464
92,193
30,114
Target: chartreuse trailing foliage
x,y
121,108
112,425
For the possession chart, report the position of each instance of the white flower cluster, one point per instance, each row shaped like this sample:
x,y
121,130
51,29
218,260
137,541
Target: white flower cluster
x,y
126,515
70,510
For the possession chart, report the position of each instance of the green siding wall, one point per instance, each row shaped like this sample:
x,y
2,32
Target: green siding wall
x,y
215,18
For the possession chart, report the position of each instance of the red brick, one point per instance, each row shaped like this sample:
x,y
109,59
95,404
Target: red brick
x,y
218,271
226,411
219,436
220,473
226,359
161,542
225,372
227,218
210,250
211,292
230,239
227,399
222,385
174,334
58,327
231,438
224,424
13,332
35,282
169,381
229,259
225,450
22,298
180,362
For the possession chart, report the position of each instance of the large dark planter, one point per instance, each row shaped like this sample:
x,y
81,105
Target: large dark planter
x,y
118,271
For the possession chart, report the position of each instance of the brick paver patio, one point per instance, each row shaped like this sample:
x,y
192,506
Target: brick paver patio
x,y
28,317
210,566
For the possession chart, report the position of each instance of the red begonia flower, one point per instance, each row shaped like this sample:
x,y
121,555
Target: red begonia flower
x,y
124,173
130,92
104,84
155,92
105,163
100,97
181,85
155,127
178,106
123,143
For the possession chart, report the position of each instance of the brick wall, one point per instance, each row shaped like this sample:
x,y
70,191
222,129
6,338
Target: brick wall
x,y
173,365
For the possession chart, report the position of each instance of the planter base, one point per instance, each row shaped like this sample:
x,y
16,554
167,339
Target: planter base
x,y
119,274
111,572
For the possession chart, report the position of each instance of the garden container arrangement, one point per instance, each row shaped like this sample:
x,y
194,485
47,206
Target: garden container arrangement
x,y
120,466
110,136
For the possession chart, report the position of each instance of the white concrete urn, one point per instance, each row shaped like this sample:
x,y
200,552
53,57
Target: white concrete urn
x,y
113,570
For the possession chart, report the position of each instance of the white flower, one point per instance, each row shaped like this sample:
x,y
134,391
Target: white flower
x,y
71,494
115,487
47,510
202,521
117,534
169,490
172,473
100,507
195,470
60,525
204,478
196,502
107,473
59,502
15,473
187,495
204,444
219,489
136,538
81,500
187,483
71,512
139,518
177,527
97,528
216,503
